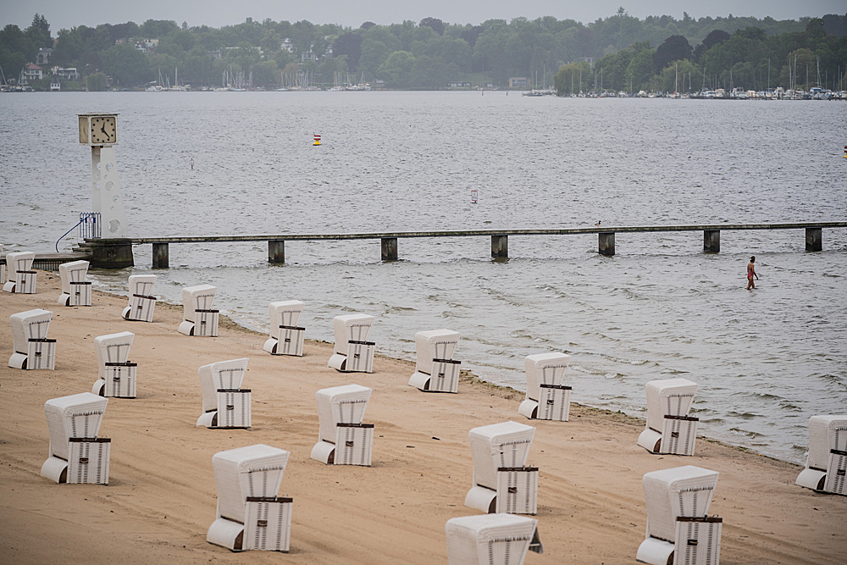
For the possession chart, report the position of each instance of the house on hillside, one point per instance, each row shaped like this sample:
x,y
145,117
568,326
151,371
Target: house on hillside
x,y
69,73
518,82
43,56
31,72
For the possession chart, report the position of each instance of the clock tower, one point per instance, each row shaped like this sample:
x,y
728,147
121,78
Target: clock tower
x,y
100,132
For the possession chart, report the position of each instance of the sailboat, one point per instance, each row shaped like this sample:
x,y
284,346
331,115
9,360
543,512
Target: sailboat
x,y
176,87
157,85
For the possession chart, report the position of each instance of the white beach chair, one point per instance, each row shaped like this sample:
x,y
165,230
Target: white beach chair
x,y
285,337
117,375
670,430
76,291
353,354
491,539
20,277
826,464
33,350
343,438
199,318
546,397
141,303
678,502
435,370
77,455
225,403
501,480
250,515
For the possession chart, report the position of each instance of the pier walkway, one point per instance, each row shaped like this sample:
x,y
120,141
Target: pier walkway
x,y
499,238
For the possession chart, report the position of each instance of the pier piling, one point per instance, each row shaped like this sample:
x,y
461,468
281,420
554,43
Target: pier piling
x,y
389,248
814,239
499,246
711,241
160,256
607,243
110,253
276,251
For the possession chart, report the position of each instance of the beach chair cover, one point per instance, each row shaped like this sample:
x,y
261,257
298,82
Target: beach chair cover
x,y
350,327
284,313
489,539
112,348
18,261
825,434
340,405
221,375
678,492
434,344
32,324
200,297
669,397
544,368
826,463
142,285
74,271
498,445
253,471
75,416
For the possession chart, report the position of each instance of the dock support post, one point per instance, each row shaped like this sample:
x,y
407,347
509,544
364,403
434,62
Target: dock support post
x,y
499,246
110,253
160,256
276,251
389,248
711,241
607,243
814,239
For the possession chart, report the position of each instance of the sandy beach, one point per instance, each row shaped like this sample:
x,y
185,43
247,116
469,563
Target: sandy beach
x,y
161,494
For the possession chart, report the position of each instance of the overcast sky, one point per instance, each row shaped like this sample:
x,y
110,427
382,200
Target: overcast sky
x,y
218,13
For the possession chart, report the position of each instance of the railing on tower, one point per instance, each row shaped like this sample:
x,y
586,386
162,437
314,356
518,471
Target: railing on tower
x,y
89,227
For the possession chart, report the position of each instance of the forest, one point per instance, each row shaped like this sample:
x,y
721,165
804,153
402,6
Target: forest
x,y
619,52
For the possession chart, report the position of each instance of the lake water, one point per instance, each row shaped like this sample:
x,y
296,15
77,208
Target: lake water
x,y
764,361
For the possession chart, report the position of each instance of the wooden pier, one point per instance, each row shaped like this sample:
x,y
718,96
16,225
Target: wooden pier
x,y
499,238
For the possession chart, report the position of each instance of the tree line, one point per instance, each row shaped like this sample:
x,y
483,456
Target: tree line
x,y
620,52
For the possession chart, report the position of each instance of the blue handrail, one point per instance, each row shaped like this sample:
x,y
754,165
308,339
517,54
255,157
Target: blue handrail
x,y
87,218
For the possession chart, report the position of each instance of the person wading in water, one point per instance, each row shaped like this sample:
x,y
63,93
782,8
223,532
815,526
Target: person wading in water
x,y
751,272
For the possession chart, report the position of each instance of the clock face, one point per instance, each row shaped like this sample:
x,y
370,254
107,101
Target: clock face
x,y
103,130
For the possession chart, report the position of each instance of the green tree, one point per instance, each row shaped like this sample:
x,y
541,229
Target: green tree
x,y
397,70
572,78
434,23
374,54
431,73
196,68
678,75
95,82
154,29
716,37
348,44
640,69
126,65
675,48
265,73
